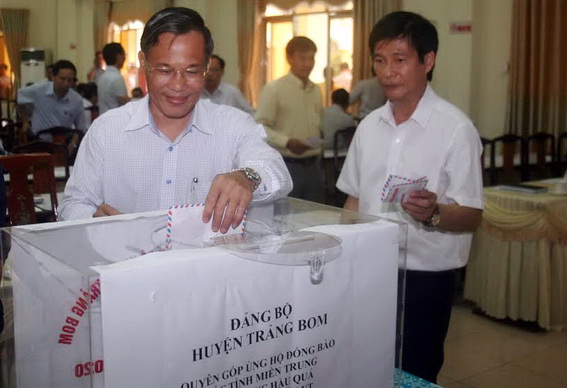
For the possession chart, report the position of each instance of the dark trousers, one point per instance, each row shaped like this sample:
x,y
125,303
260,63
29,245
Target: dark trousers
x,y
428,302
307,177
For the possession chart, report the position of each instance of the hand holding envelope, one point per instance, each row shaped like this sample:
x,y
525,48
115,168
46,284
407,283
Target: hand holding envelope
x,y
397,188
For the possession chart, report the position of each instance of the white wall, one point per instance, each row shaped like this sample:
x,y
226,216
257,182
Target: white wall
x,y
491,55
472,69
452,74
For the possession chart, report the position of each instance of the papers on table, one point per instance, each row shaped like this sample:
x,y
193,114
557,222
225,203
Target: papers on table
x,y
523,188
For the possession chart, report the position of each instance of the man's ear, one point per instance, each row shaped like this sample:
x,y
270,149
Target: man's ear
x,y
142,58
429,60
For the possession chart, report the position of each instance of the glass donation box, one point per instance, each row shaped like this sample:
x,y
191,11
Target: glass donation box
x,y
304,295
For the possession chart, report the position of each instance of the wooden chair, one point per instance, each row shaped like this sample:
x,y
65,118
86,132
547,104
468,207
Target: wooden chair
x,y
63,135
486,144
513,166
341,140
561,156
21,205
60,152
542,147
9,134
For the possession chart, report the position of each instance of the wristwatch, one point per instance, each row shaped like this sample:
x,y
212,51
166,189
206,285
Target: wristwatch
x,y
252,175
433,220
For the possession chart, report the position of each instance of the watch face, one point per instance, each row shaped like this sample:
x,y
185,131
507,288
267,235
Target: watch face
x,y
435,219
253,175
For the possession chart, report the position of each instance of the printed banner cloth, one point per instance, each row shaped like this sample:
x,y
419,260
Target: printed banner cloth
x,y
206,318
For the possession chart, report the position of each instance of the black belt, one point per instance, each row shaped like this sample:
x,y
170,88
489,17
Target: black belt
x,y
302,161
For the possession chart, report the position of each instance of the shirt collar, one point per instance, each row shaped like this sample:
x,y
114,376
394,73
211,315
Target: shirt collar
x,y
420,115
50,91
142,117
296,81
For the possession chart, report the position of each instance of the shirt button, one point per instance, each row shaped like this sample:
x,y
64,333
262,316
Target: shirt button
x,y
170,148
168,181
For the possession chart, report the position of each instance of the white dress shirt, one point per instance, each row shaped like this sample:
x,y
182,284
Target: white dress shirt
x,y
439,142
124,161
110,85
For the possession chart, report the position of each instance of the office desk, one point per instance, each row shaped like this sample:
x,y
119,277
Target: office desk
x,y
518,263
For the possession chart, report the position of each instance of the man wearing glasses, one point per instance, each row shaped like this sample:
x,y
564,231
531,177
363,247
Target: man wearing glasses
x,y
171,147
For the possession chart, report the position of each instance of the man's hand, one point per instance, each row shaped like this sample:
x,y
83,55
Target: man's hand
x,y
104,210
420,204
297,146
228,199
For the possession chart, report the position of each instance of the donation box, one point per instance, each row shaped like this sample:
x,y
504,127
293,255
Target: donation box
x,y
305,296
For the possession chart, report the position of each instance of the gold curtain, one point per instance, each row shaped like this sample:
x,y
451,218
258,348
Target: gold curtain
x,y
100,17
15,25
366,14
249,47
538,81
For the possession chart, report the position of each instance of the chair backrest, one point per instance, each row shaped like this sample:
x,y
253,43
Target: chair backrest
x,y
61,135
60,152
341,138
514,153
561,157
542,146
21,206
486,144
9,134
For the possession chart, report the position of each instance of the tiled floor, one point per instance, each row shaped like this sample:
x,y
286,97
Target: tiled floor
x,y
484,353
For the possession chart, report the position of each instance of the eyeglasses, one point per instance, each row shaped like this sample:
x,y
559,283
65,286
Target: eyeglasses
x,y
166,73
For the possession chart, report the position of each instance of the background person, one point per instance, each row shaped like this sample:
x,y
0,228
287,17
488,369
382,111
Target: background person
x,y
221,92
416,134
290,109
336,118
53,103
112,91
171,147
367,95
97,70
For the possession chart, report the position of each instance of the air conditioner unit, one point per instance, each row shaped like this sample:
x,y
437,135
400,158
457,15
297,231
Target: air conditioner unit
x,y
32,66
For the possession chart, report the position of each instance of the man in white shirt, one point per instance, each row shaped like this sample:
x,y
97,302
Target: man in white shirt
x,y
220,92
170,147
418,134
112,91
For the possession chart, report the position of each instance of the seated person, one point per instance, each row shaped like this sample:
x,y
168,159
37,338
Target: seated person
x,y
335,118
53,103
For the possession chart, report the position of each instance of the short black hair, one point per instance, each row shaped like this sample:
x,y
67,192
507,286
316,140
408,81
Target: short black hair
x,y
301,44
62,64
178,21
340,97
110,52
221,61
420,33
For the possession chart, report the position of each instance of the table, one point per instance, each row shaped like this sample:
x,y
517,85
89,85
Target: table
x,y
518,262
205,313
